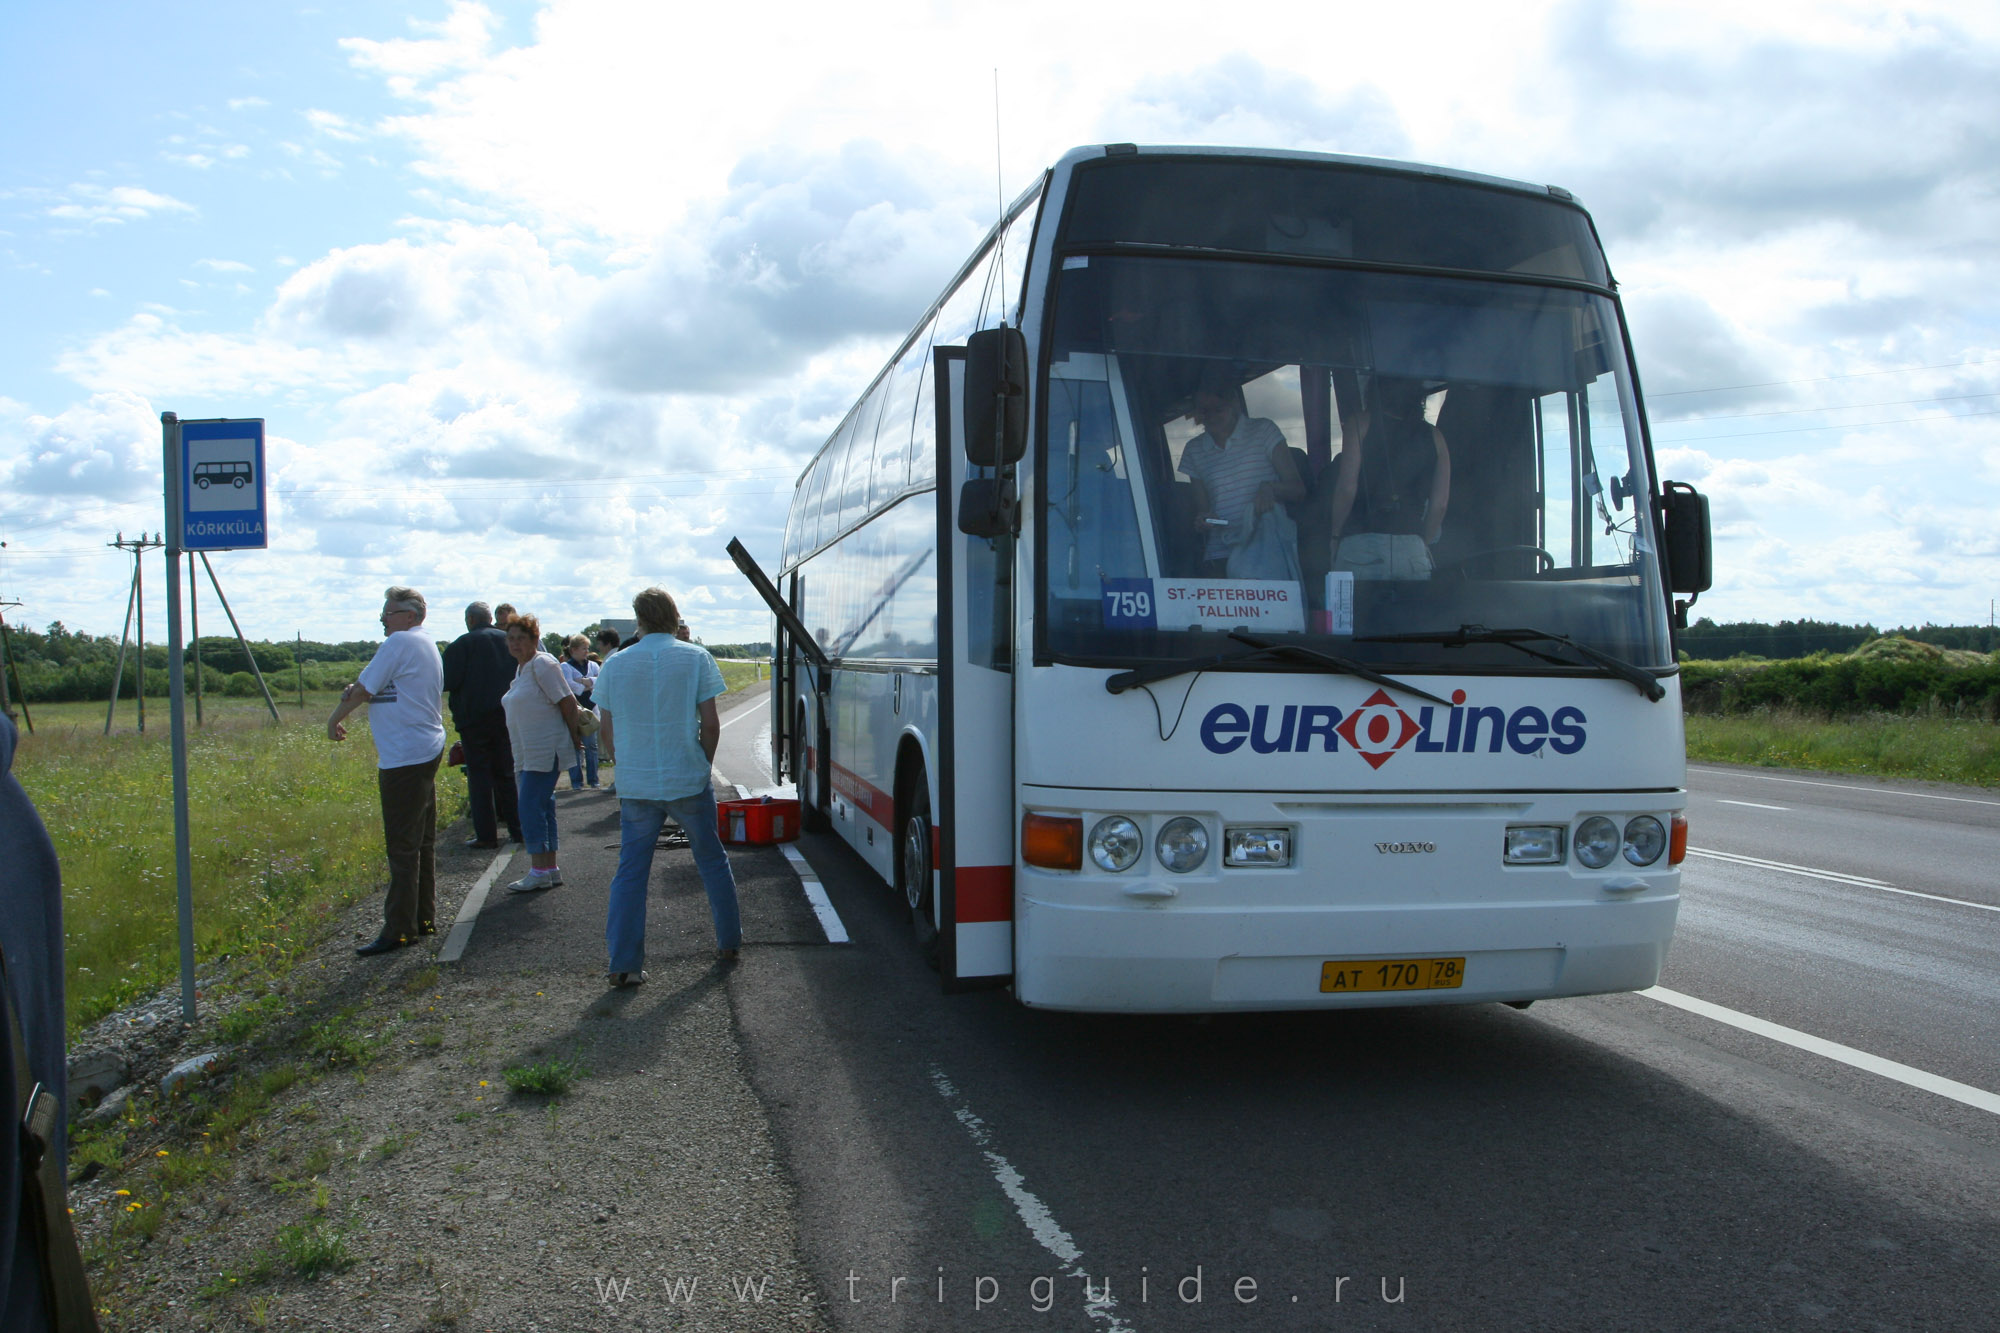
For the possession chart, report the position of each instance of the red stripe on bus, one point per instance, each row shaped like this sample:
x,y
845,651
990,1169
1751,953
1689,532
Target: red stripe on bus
x,y
878,804
984,893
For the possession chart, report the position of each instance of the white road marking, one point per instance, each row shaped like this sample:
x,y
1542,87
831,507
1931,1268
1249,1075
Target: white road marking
x,y
1833,1050
1034,1214
1836,877
468,911
756,708
809,879
1752,804
829,920
1842,786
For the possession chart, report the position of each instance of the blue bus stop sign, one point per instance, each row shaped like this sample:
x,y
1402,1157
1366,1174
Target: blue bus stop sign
x,y
222,485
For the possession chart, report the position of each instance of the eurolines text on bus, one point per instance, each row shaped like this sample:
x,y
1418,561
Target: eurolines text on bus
x,y
1379,728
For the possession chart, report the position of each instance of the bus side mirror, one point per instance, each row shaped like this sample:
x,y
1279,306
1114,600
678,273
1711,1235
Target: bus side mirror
x,y
987,507
996,397
1684,533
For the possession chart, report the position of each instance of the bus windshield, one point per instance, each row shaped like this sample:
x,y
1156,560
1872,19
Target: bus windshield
x,y
1357,461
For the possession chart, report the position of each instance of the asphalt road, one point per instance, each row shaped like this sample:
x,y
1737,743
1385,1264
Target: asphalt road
x,y
1612,1162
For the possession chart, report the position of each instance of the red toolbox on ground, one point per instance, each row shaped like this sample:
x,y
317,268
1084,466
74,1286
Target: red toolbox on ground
x,y
763,819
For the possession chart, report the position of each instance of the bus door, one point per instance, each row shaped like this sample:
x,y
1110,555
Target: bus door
x,y
974,877
791,638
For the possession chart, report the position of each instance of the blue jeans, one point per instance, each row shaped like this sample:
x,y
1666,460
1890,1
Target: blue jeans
x,y
639,833
578,772
537,801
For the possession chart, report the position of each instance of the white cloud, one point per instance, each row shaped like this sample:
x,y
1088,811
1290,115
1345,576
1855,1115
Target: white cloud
x,y
333,126
224,265
114,204
650,266
107,447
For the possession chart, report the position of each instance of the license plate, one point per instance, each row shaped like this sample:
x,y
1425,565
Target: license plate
x,y
1343,976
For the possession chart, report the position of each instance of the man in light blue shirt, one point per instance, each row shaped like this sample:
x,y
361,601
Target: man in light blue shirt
x,y
658,723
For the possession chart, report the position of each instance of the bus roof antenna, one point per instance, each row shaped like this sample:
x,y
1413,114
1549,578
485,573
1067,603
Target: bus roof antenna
x,y
999,179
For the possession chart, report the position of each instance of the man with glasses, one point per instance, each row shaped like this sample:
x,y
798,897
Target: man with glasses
x,y
403,686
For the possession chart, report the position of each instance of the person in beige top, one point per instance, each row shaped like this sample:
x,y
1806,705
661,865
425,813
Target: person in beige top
x,y
542,718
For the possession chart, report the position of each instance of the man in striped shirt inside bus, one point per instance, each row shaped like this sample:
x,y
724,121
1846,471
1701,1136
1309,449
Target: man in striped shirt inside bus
x,y
1240,467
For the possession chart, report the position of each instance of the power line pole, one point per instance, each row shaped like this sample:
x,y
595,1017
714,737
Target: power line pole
x,y
138,546
9,667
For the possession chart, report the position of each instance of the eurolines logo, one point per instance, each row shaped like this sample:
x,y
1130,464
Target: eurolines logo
x,y
1380,727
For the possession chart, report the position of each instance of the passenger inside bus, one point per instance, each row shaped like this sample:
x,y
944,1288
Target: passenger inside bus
x,y
1244,476
1392,484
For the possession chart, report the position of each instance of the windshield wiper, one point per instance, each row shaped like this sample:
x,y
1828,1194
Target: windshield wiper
x,y
1261,649
1641,679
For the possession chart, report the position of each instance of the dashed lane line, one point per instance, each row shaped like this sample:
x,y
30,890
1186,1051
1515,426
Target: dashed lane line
x,y
1836,877
1908,1075
1843,786
1034,1214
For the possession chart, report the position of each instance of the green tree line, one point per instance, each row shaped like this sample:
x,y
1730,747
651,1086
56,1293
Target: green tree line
x,y
1802,638
57,665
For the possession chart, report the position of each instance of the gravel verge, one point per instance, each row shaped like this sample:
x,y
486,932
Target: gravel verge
x,y
399,1183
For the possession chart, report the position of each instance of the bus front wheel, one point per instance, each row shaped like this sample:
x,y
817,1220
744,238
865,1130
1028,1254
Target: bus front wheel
x,y
914,867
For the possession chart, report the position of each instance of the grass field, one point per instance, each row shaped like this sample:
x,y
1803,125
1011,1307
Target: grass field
x,y
1935,749
285,829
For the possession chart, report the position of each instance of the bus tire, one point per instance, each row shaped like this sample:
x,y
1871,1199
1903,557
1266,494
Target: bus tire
x,y
915,875
814,816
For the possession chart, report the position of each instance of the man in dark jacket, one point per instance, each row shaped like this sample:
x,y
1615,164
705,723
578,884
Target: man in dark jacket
x,y
477,671
35,1242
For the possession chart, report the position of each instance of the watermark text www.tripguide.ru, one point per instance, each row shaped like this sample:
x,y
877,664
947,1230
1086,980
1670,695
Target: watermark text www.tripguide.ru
x,y
1041,1294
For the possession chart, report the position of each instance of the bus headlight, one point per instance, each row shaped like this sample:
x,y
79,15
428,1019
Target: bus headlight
x,y
1534,845
1115,843
1645,839
1596,842
1182,845
1269,848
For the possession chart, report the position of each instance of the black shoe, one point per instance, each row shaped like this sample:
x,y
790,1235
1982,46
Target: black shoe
x,y
515,837
382,944
428,928
482,844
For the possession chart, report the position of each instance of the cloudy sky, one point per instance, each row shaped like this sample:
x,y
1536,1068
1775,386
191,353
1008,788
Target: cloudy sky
x,y
545,302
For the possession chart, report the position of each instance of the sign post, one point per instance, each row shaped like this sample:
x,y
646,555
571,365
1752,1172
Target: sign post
x,y
215,500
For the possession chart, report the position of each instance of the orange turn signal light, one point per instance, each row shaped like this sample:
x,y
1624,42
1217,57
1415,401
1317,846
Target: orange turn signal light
x,y
1053,842
1677,844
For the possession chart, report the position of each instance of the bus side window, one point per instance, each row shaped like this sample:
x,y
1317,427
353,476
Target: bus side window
x,y
902,429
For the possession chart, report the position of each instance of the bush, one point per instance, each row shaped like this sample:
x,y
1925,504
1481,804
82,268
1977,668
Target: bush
x,y
1887,675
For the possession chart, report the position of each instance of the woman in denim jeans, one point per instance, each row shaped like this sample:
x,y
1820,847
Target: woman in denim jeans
x,y
541,726
658,723
581,673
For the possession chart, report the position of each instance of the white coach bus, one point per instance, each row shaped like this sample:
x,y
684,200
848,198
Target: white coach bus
x,y
1248,587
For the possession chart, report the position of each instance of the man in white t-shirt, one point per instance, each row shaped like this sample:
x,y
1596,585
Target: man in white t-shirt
x,y
403,686
1240,468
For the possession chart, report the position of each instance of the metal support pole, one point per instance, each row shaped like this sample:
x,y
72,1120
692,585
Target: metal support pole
x,y
139,654
118,675
170,447
255,670
194,622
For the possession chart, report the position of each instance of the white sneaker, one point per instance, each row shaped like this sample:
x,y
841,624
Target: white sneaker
x,y
535,881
